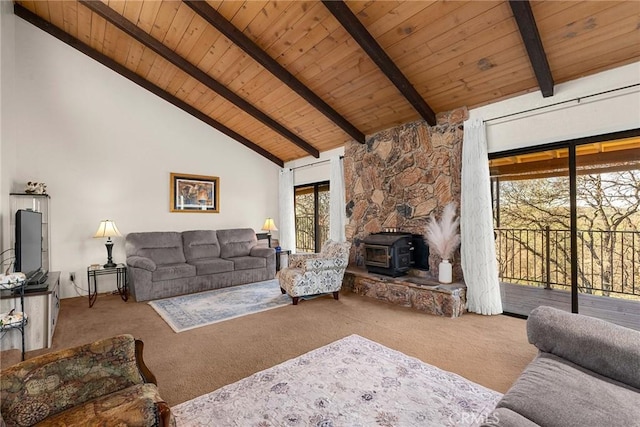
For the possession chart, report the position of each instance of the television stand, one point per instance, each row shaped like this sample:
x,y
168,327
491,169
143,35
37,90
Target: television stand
x,y
30,288
38,278
42,308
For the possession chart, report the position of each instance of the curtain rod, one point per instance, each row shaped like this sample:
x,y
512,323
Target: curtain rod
x,y
561,102
314,164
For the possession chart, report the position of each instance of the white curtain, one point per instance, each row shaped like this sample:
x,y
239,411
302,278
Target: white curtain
x,y
287,226
337,215
478,251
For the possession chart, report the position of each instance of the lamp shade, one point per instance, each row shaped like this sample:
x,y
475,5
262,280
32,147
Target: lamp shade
x,y
107,228
269,225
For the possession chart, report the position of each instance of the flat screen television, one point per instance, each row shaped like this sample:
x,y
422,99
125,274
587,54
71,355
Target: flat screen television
x,y
29,245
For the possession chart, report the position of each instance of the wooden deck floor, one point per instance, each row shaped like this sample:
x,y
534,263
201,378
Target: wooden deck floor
x,y
519,299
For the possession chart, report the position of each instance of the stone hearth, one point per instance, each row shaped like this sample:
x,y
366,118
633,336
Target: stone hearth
x,y
420,293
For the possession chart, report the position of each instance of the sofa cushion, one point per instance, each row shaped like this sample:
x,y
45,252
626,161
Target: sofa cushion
x,y
200,244
248,262
163,247
505,417
555,392
212,266
133,406
603,347
57,381
141,262
262,252
173,271
236,242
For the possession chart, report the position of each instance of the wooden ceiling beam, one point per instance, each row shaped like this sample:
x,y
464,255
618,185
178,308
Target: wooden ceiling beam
x,y
64,37
353,26
531,37
132,30
214,18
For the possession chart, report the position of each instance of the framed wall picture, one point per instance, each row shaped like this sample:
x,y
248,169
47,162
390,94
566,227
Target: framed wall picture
x,y
194,193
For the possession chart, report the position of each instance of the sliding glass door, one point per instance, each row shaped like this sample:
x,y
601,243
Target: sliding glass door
x,y
608,227
532,225
567,222
312,216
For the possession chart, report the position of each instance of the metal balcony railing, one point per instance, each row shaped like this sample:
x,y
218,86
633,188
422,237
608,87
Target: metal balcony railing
x,y
608,263
305,235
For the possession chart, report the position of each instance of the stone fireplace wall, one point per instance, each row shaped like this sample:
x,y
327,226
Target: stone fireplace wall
x,y
399,177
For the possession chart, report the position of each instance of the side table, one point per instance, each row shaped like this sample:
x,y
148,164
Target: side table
x,y
119,270
278,253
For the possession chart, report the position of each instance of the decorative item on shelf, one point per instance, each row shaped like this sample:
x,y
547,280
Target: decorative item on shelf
x,y
269,226
108,229
36,188
12,318
443,238
12,280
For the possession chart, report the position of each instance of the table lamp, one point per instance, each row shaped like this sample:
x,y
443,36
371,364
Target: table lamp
x,y
269,226
107,228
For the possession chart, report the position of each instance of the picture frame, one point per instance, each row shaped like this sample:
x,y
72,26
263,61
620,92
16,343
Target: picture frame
x,y
194,193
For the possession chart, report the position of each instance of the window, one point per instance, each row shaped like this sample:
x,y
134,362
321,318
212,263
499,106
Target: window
x,y
312,216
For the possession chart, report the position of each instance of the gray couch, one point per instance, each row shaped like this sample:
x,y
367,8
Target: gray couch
x,y
586,373
167,263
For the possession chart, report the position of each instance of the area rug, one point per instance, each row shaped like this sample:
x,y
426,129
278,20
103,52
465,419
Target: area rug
x,y
191,311
350,382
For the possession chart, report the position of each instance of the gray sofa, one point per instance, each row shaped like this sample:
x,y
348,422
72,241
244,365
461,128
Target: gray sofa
x,y
586,373
167,263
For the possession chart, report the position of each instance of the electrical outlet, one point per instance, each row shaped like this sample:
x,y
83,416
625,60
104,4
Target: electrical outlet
x,y
72,277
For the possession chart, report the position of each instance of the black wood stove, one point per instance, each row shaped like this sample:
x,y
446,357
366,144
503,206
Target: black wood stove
x,y
394,253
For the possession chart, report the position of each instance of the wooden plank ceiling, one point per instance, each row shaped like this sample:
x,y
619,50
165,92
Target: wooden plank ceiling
x,y
286,79
591,158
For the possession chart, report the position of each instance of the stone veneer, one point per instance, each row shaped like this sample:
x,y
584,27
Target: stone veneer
x,y
399,177
407,291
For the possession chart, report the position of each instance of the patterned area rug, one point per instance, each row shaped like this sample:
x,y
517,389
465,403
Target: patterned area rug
x,y
350,382
205,308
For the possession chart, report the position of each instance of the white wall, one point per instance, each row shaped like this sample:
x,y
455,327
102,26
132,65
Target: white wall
x,y
105,148
309,169
611,112
7,151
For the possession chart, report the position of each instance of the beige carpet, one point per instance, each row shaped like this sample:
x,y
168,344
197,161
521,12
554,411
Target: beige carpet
x,y
489,350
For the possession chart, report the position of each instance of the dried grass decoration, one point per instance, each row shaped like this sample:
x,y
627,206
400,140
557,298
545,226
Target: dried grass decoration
x,y
443,238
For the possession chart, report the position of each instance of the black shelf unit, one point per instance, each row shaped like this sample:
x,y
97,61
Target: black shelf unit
x,y
10,291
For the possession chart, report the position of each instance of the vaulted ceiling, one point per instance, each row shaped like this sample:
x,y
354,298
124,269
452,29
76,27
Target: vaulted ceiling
x,y
290,79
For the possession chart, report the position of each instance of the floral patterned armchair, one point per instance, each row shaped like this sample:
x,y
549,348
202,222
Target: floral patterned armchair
x,y
104,383
318,273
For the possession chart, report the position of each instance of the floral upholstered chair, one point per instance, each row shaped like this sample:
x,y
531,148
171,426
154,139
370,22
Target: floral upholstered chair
x,y
318,273
104,383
